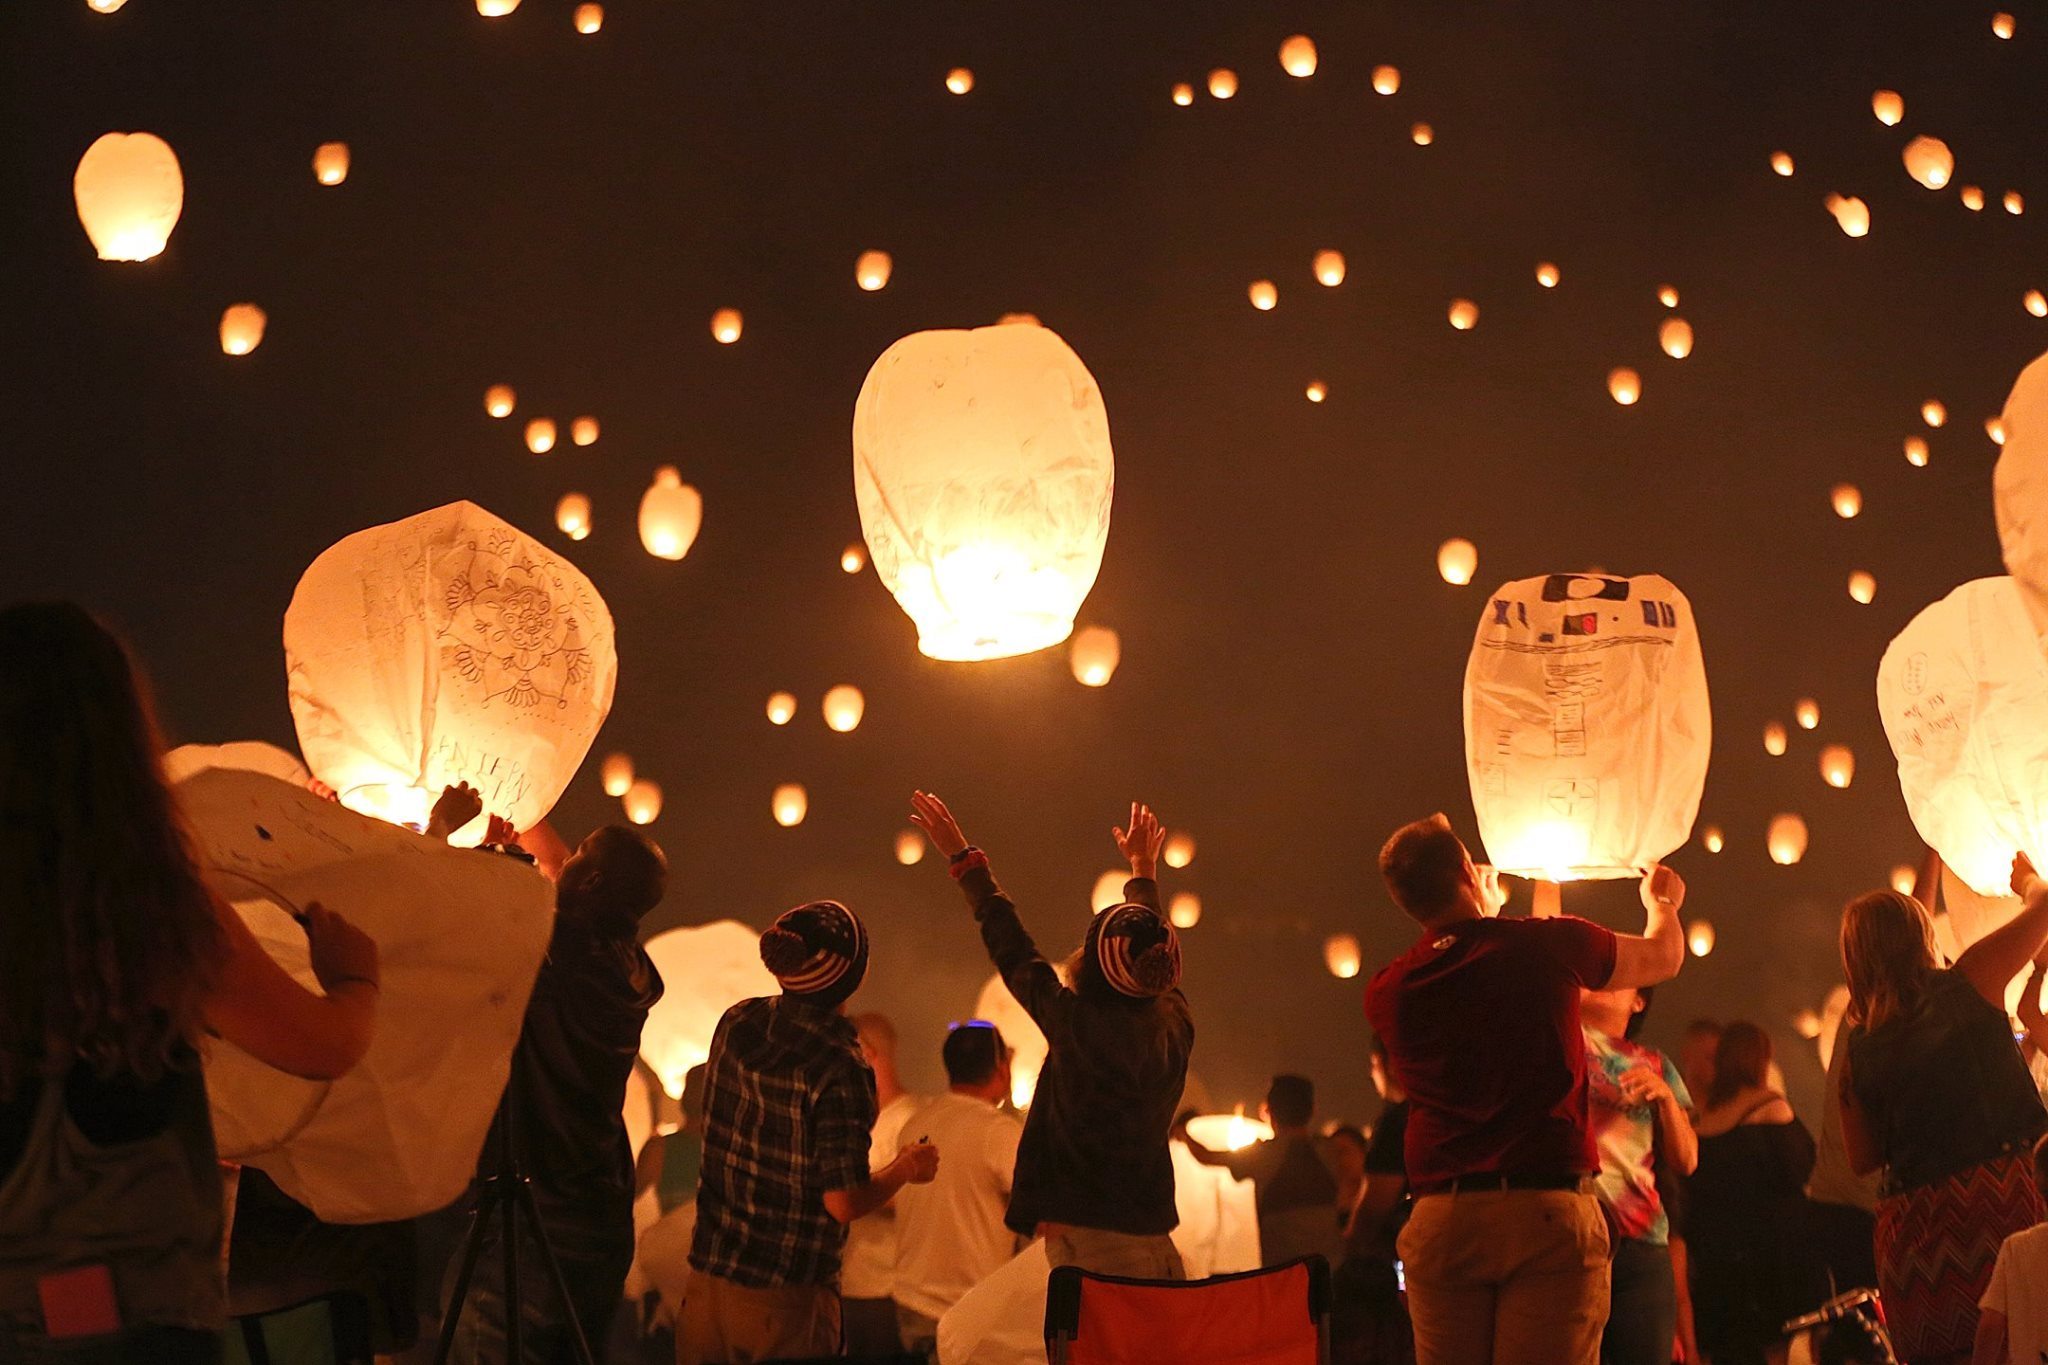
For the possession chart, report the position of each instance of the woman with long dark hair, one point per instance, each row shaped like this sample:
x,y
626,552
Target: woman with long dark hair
x,y
116,961
1936,1094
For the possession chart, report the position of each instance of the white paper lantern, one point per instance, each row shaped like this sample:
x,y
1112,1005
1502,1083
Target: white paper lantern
x,y
2035,302
589,18
540,435
1422,134
726,325
705,969
583,431
330,163
1587,728
1228,1132
983,471
2020,488
1781,163
1184,910
1386,79
844,706
642,801
1846,499
871,271
671,514
1929,161
790,804
1108,889
1838,765
572,516
1317,391
1712,839
2014,204
1094,655
1329,268
1934,412
1624,386
1457,560
1342,956
1775,739
910,845
1179,850
129,193
241,328
853,558
616,774
1972,198
1667,296
1264,294
1889,106
1675,336
959,80
496,9
1863,587
1852,215
1699,937
1547,275
781,708
1917,451
1298,56
498,400
1464,314
448,647
1222,83
1786,839
995,1005
2002,24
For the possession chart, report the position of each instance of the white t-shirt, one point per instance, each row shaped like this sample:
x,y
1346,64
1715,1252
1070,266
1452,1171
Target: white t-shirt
x,y
950,1234
867,1269
2019,1289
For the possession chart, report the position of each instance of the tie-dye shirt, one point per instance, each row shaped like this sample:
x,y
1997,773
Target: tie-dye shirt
x,y
1626,1135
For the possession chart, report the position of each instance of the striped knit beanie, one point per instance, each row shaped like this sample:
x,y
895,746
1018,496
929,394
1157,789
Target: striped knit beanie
x,y
1137,951
819,951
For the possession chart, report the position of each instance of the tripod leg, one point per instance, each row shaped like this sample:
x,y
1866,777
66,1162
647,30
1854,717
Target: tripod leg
x,y
577,1338
472,1245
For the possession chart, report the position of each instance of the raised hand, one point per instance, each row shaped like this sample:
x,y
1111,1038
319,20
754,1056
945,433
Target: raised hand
x,y
920,1163
2024,878
458,805
929,814
1663,889
1141,841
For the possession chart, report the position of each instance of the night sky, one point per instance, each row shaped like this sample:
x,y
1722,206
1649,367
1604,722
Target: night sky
x,y
564,213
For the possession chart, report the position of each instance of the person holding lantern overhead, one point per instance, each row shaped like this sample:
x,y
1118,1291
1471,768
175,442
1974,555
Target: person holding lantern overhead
x,y
1094,1173
1506,1251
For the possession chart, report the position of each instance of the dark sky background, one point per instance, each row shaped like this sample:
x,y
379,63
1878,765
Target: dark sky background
x,y
563,213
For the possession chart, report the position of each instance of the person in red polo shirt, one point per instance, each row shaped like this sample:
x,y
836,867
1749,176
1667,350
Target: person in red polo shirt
x,y
1506,1252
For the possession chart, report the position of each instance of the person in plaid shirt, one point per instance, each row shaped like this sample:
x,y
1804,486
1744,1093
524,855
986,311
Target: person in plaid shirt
x,y
790,1103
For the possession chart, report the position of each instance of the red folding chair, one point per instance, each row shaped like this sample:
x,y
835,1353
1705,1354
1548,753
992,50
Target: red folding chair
x,y
1277,1316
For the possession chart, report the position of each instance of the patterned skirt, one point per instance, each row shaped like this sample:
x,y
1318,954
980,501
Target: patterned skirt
x,y
1935,1249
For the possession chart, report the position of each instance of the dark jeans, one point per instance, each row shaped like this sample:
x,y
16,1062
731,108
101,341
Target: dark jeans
x,y
595,1248
1643,1319
140,1346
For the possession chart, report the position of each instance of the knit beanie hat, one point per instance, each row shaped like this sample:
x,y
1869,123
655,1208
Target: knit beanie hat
x,y
1137,951
818,951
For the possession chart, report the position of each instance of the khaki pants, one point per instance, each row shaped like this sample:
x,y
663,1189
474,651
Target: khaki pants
x,y
1507,1277
1113,1253
723,1323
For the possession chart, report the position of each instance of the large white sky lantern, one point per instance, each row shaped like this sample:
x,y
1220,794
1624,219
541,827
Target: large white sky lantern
x,y
2020,488
1963,693
129,192
1587,728
447,647
983,472
705,969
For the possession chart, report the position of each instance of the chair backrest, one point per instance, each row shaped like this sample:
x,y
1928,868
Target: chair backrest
x,y
1276,1316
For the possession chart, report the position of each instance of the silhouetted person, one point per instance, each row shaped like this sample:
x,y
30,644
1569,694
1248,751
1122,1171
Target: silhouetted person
x,y
1293,1188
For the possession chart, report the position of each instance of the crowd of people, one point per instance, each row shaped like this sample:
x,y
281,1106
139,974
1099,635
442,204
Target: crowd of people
x,y
1539,1186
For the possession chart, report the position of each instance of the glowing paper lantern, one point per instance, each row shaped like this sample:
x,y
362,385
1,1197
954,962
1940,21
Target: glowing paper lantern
x,y
1675,336
1263,294
1806,1023
871,271
1667,296
498,400
1546,275
2002,24
1342,956
1863,587
642,802
2020,489
983,472
1712,840
1847,500
1916,451
496,9
1624,385
1464,314
910,847
671,514
2014,205
241,328
1108,889
616,774
1775,739
1851,214
1027,1044
1806,713
583,431
853,558
1889,106
2035,302
104,6
1781,162
1329,268
1934,413
1586,725
1973,198
1699,937
589,18
1222,83
790,804
1994,427
129,193
706,969
1094,655
725,325
1184,910
330,163
448,647
572,516
1179,850
1929,161
1228,1132
1386,79
1298,56
1183,94
1904,878
1837,765
781,708
1786,839
1457,560
1422,134
844,706
1317,391
959,80
540,435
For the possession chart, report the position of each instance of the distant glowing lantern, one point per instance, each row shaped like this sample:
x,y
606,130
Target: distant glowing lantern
x,y
1929,161
2014,205
781,708
1094,655
1851,214
1228,1132
910,847
572,516
1263,294
1675,336
671,514
1341,954
583,431
1183,94
642,801
1781,162
1317,391
498,400
1786,839
1916,451
1386,79
844,706
853,558
1994,427
1184,910
1298,56
1179,850
1847,500
616,773
540,435
1108,889
725,325
1699,937
448,647
1712,840
1775,739
1222,83
959,80
241,328
1806,713
330,163
104,6
1027,1044
790,804
1625,385
1667,296
1546,275
1586,725
1973,198
1806,1023
1329,268
1863,587
1934,412
2035,302
1838,765
1889,106
496,9
983,473
706,969
1422,134
871,271
2002,24
1457,560
589,18
1904,879
1464,314
2020,490
129,193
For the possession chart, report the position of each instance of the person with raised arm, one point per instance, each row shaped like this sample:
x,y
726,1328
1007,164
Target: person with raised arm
x,y
1094,1173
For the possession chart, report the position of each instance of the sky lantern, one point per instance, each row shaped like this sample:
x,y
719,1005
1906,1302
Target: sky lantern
x,y
330,163
1422,134
540,435
572,516
725,326
496,9
1341,954
1929,161
671,514
790,804
1184,910
1863,587
1263,294
583,431
1973,198
1838,765
1386,79
844,706
1298,56
499,399
871,271
1464,314
2014,204
2020,489
1786,839
1222,83
983,473
2035,302
853,558
1316,391
129,192
1027,1044
1775,738
1179,850
1329,268
642,801
1916,451
1587,729
910,846
1546,275
706,969
1806,1023
1904,878
1781,162
781,707
241,328
1699,937
1851,214
1847,500
1667,296
109,6
1675,336
1625,385
1889,106
959,80
2001,24
1094,655
448,647
589,18
1183,94
1806,713
1712,839
1457,560
1228,1132
1934,412
1108,889
1994,427
616,772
